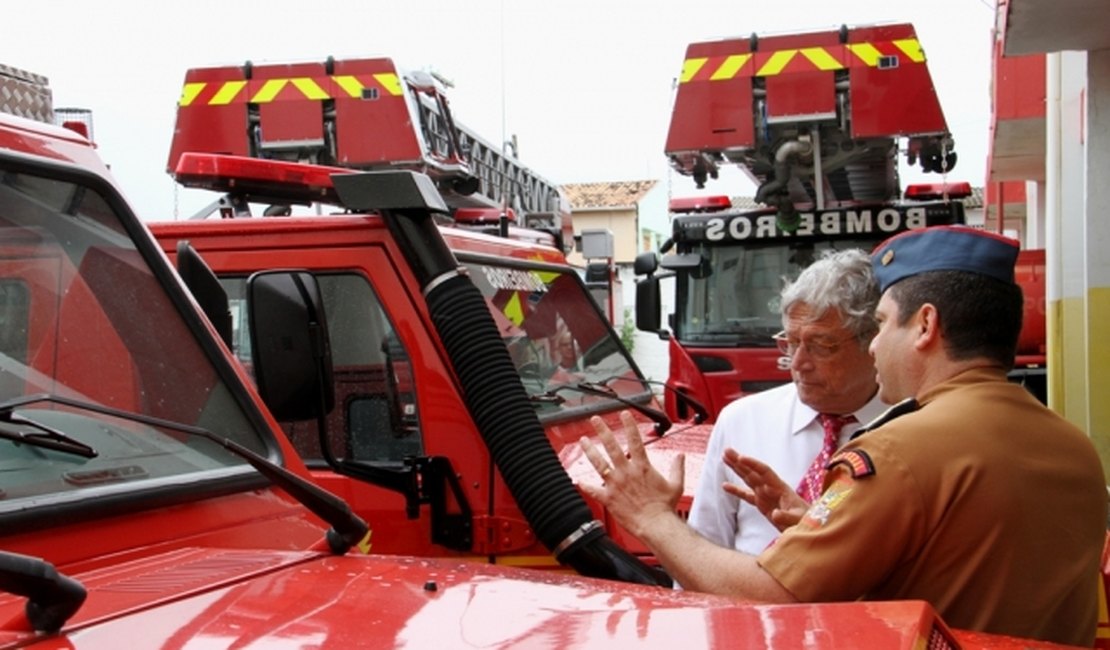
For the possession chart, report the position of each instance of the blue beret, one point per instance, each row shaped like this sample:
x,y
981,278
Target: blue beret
x,y
944,248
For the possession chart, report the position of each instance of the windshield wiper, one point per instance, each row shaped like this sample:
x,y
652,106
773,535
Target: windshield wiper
x,y
662,424
347,528
701,414
45,438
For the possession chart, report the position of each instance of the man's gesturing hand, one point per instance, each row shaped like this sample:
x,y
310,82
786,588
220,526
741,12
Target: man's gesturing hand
x,y
633,491
778,502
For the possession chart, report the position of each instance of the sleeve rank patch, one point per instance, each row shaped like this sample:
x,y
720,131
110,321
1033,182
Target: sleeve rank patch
x,y
857,460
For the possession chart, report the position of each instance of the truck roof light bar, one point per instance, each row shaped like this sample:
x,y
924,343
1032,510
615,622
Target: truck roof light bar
x,y
714,203
271,178
933,191
483,216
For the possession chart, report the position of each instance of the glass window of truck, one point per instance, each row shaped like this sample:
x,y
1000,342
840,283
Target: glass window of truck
x,y
375,416
555,332
97,364
733,299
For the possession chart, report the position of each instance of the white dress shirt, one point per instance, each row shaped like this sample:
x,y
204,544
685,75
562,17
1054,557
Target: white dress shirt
x,y
773,426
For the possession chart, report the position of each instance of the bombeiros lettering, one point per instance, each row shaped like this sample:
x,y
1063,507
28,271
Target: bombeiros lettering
x,y
864,221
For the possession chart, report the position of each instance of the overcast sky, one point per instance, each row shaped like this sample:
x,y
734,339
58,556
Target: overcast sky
x,y
585,85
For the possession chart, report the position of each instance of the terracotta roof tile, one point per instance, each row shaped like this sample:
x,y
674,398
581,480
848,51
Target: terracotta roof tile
x,y
615,194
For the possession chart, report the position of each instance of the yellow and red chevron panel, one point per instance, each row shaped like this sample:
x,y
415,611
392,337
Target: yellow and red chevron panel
x,y
890,90
371,119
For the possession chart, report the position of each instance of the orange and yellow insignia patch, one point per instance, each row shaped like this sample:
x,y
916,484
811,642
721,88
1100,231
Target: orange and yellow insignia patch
x,y
833,497
857,461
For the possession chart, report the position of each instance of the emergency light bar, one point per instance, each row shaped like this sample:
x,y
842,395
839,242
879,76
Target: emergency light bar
x,y
700,204
483,216
259,178
933,191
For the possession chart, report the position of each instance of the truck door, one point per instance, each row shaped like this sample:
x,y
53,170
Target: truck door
x,y
390,383
375,418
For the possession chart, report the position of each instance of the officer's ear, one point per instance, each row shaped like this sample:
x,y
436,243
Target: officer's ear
x,y
926,323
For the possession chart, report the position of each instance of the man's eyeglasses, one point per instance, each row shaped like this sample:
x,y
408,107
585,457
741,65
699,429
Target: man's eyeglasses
x,y
788,346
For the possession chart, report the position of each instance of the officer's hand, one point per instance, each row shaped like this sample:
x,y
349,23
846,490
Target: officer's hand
x,y
632,490
778,502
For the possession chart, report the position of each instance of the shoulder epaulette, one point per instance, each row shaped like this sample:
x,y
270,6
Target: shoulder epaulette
x,y
858,461
908,405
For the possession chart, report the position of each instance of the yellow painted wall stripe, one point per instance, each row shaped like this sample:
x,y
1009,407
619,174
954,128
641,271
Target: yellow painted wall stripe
x,y
821,58
1103,629
547,277
866,52
190,92
269,90
1097,381
730,67
227,93
911,48
349,84
310,88
690,68
390,82
514,311
776,63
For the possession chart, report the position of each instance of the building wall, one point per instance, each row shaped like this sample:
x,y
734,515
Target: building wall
x,y
621,222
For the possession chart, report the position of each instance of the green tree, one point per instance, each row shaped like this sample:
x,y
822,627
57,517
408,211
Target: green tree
x,y
628,331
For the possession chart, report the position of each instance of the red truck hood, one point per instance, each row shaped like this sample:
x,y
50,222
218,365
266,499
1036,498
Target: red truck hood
x,y
681,439
223,598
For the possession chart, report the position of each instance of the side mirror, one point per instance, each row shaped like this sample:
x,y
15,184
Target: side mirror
x,y
289,344
647,304
206,289
645,263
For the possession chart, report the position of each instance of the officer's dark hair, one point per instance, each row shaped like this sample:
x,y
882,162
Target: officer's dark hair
x,y
979,315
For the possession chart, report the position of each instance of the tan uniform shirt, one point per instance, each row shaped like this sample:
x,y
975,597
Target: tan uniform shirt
x,y
984,503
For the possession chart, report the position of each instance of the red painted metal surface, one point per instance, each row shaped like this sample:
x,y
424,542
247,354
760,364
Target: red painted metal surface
x,y
51,142
225,598
221,107
890,87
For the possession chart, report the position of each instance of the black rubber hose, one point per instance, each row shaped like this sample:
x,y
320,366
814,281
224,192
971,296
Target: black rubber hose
x,y
507,421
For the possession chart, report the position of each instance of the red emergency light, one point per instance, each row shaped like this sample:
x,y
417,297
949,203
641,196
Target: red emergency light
x,y
483,216
79,128
701,204
933,191
258,177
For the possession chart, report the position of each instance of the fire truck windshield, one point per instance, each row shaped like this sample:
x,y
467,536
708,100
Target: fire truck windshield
x,y
88,330
733,298
555,331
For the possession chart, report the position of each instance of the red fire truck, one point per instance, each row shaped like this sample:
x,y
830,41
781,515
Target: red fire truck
x,y
817,121
149,501
402,444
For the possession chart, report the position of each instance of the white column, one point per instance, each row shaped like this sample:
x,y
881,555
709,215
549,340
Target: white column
x,y
1096,239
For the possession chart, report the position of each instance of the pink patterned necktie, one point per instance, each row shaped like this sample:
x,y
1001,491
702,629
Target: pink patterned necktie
x,y
810,486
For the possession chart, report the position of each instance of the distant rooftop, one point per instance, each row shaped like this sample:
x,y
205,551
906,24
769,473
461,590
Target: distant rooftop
x,y
616,194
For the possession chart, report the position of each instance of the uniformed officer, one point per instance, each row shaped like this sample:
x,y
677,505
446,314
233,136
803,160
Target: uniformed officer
x,y
977,498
